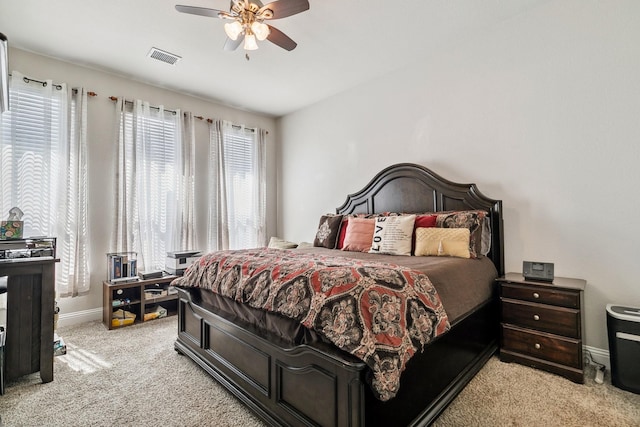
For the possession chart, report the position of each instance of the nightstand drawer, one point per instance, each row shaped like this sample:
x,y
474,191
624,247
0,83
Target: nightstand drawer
x,y
542,296
565,351
555,320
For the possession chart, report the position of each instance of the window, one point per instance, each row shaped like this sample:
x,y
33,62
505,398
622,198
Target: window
x,y
240,160
43,156
149,193
31,141
238,183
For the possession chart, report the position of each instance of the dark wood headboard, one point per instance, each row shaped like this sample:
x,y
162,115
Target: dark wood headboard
x,y
411,188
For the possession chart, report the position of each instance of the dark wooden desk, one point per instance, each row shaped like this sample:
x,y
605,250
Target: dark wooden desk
x,y
30,307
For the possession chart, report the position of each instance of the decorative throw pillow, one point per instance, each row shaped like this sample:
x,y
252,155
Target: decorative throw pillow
x,y
343,229
471,220
328,231
278,243
422,220
392,235
485,240
443,242
376,215
426,220
359,234
343,232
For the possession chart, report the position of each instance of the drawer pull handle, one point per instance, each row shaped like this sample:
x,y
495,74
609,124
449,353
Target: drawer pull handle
x,y
536,317
536,295
537,346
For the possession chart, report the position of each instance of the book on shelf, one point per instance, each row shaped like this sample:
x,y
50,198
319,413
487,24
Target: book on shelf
x,y
155,293
133,267
124,280
122,265
117,267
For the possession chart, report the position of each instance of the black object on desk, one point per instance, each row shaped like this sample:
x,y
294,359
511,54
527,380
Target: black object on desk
x,y
30,311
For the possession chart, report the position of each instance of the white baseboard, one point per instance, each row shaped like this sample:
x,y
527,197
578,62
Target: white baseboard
x,y
599,355
76,317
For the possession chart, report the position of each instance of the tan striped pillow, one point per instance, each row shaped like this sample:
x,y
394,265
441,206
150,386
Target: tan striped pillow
x,y
443,242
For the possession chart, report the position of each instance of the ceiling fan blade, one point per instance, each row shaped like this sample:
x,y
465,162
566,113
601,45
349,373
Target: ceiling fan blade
x,y
284,8
230,45
281,39
202,11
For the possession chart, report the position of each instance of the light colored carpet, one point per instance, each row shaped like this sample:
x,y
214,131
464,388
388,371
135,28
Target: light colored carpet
x,y
133,377
509,394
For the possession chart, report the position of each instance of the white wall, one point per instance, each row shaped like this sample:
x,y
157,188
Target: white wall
x,y
101,156
542,111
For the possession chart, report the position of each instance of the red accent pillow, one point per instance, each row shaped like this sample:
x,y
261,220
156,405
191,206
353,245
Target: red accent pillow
x,y
343,232
425,221
422,221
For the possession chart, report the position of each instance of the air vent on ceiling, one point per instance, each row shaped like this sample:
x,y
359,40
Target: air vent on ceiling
x,y
162,55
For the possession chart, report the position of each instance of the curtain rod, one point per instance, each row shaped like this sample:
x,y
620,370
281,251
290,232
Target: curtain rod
x,y
55,85
127,101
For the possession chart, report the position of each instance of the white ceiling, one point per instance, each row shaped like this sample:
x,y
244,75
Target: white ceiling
x,y
341,43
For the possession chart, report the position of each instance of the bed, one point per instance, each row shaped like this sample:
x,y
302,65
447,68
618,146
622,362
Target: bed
x,y
288,375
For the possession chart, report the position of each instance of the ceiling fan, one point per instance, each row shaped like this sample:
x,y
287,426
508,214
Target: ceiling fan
x,y
247,21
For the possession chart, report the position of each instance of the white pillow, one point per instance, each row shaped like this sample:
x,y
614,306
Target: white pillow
x,y
278,243
392,235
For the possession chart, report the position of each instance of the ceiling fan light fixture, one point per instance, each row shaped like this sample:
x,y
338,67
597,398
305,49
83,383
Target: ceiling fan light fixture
x,y
233,29
250,42
247,19
261,30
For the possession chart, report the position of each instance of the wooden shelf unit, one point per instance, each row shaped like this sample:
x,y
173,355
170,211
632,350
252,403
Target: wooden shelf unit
x,y
134,299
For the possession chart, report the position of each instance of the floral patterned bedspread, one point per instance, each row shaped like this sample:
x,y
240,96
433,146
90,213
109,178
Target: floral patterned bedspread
x,y
380,313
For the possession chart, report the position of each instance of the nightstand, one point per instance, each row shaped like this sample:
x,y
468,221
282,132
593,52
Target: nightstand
x,y
542,324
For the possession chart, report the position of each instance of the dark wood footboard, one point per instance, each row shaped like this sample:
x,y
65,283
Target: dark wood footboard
x,y
434,377
284,385
320,385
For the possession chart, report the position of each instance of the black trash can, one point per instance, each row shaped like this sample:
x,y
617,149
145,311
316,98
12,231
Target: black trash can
x,y
623,327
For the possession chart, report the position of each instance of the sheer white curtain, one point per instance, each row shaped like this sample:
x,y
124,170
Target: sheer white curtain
x,y
72,228
43,157
186,175
154,182
261,196
218,224
237,186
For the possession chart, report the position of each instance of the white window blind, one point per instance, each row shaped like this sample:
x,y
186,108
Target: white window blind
x,y
241,158
31,140
43,158
151,164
